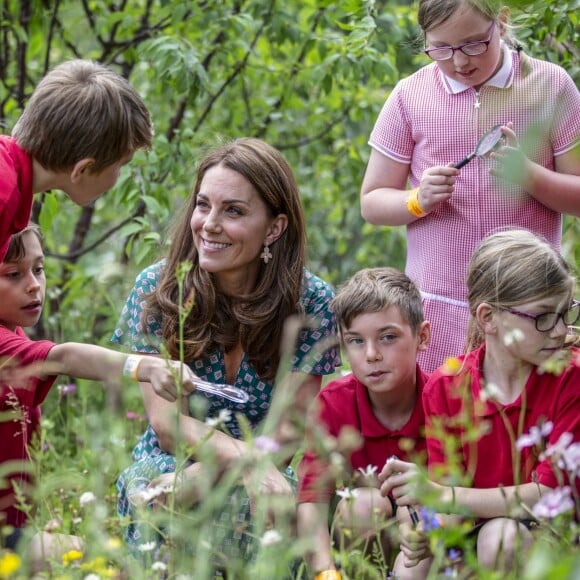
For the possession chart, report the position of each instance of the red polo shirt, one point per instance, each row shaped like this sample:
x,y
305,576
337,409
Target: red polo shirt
x,y
454,407
23,402
15,190
345,402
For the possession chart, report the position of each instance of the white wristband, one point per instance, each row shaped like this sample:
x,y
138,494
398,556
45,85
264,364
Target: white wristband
x,y
131,366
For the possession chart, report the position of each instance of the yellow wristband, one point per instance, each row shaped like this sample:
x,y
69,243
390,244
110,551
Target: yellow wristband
x,y
413,204
131,366
328,575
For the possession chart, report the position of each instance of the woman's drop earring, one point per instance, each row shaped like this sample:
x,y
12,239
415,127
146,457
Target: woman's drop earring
x,y
266,255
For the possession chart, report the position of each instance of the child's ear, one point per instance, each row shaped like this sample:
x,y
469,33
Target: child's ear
x,y
424,335
485,315
80,168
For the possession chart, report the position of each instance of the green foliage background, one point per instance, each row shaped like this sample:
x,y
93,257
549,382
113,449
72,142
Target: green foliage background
x,y
308,76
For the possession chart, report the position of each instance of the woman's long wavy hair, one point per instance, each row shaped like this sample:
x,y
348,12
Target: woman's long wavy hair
x,y
255,320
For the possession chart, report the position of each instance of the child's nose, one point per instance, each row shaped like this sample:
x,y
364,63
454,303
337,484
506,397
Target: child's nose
x,y
32,283
460,59
560,329
373,353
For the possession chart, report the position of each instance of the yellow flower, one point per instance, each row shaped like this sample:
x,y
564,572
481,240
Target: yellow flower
x,y
114,543
96,565
451,366
9,563
71,556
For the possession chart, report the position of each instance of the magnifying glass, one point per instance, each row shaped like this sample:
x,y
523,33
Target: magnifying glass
x,y
486,144
226,391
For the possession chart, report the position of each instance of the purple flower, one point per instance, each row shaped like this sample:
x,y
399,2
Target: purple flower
x,y
266,444
65,390
570,460
132,415
559,448
535,436
430,520
554,503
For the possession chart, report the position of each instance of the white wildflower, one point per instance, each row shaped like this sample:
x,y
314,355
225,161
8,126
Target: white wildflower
x,y
77,521
369,470
347,493
270,538
513,336
92,577
87,498
490,392
158,566
145,496
147,547
224,416
53,525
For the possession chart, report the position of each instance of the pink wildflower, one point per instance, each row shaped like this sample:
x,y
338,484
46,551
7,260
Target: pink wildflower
x,y
554,503
535,436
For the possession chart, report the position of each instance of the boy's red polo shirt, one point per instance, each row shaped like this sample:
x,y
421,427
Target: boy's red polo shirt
x,y
15,190
343,402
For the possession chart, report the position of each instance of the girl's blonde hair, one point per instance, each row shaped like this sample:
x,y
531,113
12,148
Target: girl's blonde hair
x,y
433,13
510,268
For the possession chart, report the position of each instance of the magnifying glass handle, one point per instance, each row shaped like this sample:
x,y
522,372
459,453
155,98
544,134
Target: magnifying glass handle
x,y
465,161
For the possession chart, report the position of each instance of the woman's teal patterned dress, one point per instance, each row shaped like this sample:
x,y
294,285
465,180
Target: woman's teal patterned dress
x,y
150,459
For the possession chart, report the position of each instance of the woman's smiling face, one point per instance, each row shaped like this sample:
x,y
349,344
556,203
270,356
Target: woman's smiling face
x,y
230,225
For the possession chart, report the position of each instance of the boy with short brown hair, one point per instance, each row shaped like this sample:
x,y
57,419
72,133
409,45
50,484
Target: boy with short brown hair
x,y
380,316
81,125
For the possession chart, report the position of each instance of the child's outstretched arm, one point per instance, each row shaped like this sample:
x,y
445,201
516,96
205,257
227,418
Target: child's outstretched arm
x,y
88,361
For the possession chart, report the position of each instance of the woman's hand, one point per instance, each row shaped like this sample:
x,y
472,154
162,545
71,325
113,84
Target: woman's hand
x,y
169,489
266,484
436,186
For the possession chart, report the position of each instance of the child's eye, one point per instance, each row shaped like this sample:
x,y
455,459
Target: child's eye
x,y
388,337
354,341
39,269
12,275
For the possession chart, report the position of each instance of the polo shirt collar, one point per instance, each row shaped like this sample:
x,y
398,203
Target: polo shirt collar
x,y
371,426
483,406
502,79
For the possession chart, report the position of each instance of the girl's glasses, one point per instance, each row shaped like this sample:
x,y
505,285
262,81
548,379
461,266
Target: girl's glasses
x,y
469,48
548,320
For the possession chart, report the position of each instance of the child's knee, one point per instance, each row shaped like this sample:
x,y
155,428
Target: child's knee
x,y
499,540
365,512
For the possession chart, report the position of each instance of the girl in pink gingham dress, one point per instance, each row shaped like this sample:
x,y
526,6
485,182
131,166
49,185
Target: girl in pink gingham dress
x,y
433,119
